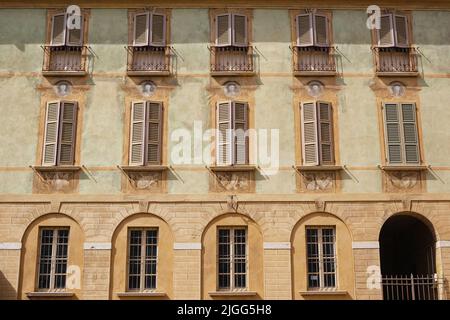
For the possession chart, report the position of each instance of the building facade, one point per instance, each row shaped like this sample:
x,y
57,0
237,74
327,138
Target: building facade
x,y
224,150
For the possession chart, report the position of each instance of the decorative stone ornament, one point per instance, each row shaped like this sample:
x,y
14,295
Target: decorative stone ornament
x,y
397,89
231,89
63,88
148,88
315,89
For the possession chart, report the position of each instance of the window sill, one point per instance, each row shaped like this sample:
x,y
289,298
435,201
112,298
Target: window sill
x,y
144,168
319,168
324,293
140,294
56,168
64,73
238,167
232,73
315,73
405,167
164,73
232,293
46,294
397,74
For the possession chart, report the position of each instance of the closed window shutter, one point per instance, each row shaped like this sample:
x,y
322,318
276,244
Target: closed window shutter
x,y
393,134
410,136
223,30
240,125
137,133
141,32
304,30
386,32
320,30
51,134
309,134
154,115
75,36
67,133
223,141
158,30
325,133
401,31
58,36
239,30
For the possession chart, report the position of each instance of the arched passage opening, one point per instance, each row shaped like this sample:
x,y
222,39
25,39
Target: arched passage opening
x,y
407,257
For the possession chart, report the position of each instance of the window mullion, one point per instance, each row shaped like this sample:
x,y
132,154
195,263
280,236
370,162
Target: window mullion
x,y
142,271
231,259
53,259
321,261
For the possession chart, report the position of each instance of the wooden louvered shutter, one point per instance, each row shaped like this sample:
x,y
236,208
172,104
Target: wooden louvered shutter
x,y
154,116
51,134
137,133
223,30
309,134
141,32
410,136
325,121
240,125
75,36
68,123
304,30
223,141
158,30
401,31
320,30
58,36
386,32
239,30
393,134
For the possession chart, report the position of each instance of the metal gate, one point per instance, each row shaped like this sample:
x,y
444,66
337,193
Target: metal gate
x,y
412,287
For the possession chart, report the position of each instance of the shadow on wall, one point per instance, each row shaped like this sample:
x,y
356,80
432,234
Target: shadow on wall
x,y
7,291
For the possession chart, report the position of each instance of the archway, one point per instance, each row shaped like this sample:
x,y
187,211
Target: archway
x,y
407,256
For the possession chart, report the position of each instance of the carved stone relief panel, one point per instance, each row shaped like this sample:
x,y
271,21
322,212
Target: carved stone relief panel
x,y
403,181
55,182
144,181
316,181
232,181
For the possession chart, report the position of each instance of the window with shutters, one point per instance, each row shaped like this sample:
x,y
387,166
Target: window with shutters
x,y
148,51
145,133
231,51
312,43
392,45
60,133
65,51
53,257
317,133
232,140
401,136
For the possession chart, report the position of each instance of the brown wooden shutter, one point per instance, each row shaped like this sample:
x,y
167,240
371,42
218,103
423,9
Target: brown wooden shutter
x,y
386,32
393,134
223,141
304,30
158,30
240,125
321,30
223,30
58,36
410,136
75,36
141,32
309,134
325,129
67,135
401,31
51,134
154,116
137,133
239,30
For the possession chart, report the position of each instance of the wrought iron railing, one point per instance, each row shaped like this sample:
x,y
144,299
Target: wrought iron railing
x,y
64,58
314,59
396,60
232,59
411,287
149,59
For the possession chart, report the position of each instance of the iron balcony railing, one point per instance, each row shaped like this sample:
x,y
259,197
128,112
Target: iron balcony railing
x,y
314,59
149,59
232,59
64,59
411,287
396,60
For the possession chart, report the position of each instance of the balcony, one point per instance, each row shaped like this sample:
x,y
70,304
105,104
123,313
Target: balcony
x,y
395,61
148,60
231,60
64,60
314,61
